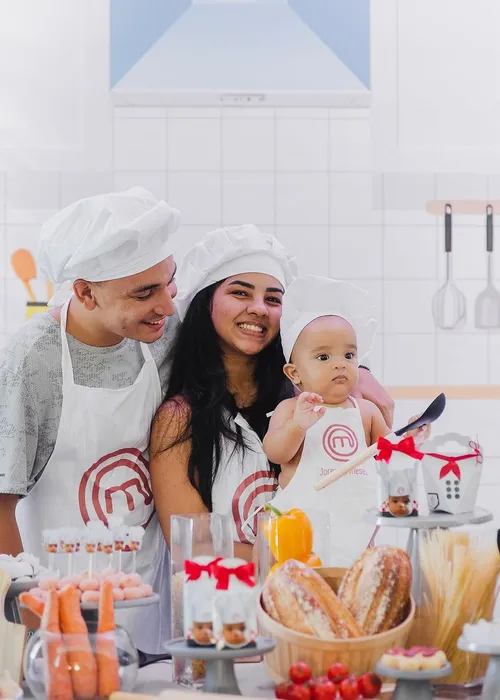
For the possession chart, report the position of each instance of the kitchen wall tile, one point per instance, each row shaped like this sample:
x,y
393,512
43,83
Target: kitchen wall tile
x,y
198,196
470,289
494,187
140,144
350,145
407,306
494,359
375,359
302,199
355,198
461,359
406,196
248,198
154,182
349,113
302,112
2,196
410,252
462,186
309,245
4,337
75,186
356,251
194,144
3,256
185,238
248,112
301,145
468,253
140,112
490,474
409,359
375,288
248,145
194,112
32,197
19,236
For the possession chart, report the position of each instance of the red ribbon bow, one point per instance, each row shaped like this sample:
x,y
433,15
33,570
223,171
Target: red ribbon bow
x,y
452,466
244,573
406,446
195,570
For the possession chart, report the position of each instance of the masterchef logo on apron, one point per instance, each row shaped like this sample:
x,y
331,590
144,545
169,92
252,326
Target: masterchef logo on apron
x,y
249,495
340,442
118,482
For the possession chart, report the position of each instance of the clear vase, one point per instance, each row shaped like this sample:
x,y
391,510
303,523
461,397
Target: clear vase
x,y
200,534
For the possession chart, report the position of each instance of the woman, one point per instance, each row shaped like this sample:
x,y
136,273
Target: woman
x,y
206,449
227,374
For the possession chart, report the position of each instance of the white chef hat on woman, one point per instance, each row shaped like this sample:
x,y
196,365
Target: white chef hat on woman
x,y
227,252
309,298
106,237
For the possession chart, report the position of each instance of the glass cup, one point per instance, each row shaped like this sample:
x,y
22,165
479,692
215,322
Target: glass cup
x,y
35,663
208,534
320,522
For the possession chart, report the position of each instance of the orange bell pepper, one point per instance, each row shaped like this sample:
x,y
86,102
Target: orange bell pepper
x,y
290,534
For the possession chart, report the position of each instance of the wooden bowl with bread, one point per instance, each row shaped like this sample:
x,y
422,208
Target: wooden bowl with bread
x,y
325,615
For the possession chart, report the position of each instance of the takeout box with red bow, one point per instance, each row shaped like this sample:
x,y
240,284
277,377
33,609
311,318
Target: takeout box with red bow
x,y
397,463
235,604
452,466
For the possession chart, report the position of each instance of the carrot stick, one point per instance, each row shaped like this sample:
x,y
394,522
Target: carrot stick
x,y
80,655
107,658
57,678
34,604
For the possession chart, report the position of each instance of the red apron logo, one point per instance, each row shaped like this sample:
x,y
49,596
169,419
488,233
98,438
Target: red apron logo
x,y
117,484
248,496
340,442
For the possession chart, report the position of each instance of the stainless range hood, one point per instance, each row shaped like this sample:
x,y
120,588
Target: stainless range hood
x,y
238,52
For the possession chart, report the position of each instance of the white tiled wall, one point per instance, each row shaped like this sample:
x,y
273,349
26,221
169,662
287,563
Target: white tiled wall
x,y
304,175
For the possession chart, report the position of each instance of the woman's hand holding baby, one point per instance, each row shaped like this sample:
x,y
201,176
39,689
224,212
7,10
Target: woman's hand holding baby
x,y
308,410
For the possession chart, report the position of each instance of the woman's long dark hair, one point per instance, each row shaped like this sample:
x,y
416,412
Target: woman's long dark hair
x,y
199,377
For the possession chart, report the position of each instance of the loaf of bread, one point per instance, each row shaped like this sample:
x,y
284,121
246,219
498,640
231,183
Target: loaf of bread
x,y
298,598
377,588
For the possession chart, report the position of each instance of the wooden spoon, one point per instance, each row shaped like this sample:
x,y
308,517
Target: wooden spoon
x,y
25,269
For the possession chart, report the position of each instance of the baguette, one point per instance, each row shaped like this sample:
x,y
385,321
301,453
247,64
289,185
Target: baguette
x,y
300,599
377,588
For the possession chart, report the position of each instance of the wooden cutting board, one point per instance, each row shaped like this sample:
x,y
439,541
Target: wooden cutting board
x,y
12,637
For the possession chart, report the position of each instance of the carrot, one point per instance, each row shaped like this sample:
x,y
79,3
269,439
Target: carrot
x,y
57,678
35,605
80,655
107,658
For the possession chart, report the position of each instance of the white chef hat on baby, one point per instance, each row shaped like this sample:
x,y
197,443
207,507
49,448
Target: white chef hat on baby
x,y
308,298
227,252
399,482
106,237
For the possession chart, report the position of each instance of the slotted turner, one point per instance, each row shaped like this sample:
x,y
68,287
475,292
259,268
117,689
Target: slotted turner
x,y
488,302
12,637
449,307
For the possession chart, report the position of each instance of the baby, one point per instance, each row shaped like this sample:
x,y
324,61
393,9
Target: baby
x,y
326,329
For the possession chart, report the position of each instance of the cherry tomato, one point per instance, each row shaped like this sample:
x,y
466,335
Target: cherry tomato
x,y
337,673
349,689
299,692
323,689
300,673
281,690
369,685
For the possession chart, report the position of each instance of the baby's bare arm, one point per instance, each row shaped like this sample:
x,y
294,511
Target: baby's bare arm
x,y
373,421
284,438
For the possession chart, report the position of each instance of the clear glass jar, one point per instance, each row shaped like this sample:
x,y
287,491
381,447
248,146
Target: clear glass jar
x,y
200,534
35,662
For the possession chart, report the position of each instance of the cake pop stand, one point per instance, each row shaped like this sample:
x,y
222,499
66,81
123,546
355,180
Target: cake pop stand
x,y
220,676
433,521
491,684
413,685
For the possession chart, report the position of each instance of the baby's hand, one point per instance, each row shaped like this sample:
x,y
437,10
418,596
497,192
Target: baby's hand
x,y
305,414
421,434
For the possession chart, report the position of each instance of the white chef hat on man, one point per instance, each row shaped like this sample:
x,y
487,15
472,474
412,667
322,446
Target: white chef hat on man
x,y
312,297
226,252
106,237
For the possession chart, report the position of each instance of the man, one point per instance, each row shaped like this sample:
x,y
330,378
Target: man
x,y
80,384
